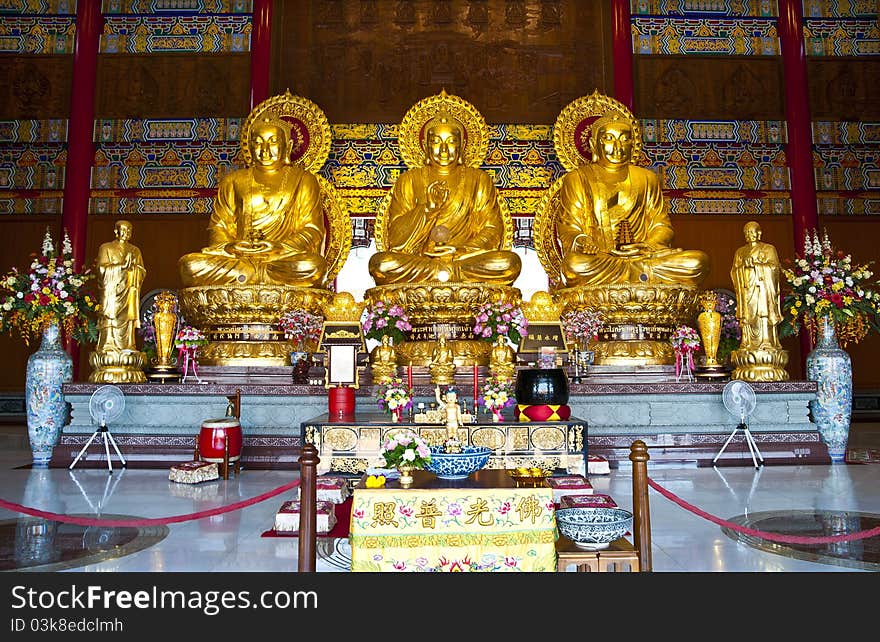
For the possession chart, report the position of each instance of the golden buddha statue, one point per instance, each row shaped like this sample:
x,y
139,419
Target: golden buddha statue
x,y
502,359
442,366
444,219
278,236
120,267
603,235
755,275
267,225
614,227
383,360
443,232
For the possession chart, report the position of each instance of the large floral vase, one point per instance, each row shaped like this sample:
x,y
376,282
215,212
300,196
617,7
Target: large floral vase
x,y
831,368
47,370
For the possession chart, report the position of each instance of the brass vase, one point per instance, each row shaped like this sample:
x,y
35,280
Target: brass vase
x,y
165,326
406,475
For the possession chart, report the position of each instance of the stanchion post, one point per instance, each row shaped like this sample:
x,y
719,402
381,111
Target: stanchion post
x,y
639,457
308,516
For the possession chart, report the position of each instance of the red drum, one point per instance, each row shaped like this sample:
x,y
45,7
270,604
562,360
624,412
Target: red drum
x,y
213,436
340,402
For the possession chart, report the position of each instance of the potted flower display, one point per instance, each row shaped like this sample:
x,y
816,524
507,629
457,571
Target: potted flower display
x,y
500,319
188,341
50,300
581,328
394,396
685,341
496,395
379,320
303,329
404,450
837,302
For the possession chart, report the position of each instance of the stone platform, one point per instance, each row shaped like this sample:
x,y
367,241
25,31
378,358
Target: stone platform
x,y
685,423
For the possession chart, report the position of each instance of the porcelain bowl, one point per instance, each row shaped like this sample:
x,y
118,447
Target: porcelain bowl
x,y
593,528
457,465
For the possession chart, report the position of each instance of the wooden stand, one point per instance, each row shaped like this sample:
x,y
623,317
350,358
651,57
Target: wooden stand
x,y
621,555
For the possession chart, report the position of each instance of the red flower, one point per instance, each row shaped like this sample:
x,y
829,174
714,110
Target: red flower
x,y
44,299
29,297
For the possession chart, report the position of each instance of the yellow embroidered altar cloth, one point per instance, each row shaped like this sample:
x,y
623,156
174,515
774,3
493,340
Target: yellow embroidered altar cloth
x,y
484,523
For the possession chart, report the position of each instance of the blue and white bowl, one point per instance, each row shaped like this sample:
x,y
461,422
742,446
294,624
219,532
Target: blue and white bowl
x,y
457,465
593,528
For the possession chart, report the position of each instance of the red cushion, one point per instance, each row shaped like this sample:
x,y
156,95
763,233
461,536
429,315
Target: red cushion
x,y
543,412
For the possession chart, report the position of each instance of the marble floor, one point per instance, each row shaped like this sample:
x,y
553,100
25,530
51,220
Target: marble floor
x,y
847,495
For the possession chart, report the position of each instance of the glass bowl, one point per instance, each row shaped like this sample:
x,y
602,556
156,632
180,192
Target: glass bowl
x,y
457,465
593,528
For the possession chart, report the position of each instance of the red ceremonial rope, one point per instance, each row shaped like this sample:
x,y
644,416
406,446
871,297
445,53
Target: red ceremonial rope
x,y
157,521
773,537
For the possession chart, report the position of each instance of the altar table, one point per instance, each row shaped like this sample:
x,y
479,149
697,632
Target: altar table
x,y
483,523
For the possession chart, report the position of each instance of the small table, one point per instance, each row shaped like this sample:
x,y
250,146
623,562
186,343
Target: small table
x,y
620,555
483,523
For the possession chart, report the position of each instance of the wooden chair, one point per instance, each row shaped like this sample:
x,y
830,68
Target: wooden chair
x,y
621,554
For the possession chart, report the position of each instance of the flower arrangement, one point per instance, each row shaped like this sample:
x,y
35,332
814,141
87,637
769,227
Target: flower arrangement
x,y
825,283
497,393
405,448
394,394
301,326
685,341
581,326
379,320
189,337
500,319
685,338
731,333
51,291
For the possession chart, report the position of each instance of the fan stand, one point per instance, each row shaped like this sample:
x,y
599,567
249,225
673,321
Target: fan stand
x,y
108,439
750,442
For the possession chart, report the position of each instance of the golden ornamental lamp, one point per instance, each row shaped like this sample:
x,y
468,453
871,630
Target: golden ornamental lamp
x,y
709,325
165,318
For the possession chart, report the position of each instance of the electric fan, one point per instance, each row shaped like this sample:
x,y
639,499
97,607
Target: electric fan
x,y
105,405
740,400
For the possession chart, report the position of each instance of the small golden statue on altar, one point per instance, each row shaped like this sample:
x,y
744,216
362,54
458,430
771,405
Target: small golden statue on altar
x,y
502,359
442,364
755,275
383,360
278,237
443,233
604,236
121,270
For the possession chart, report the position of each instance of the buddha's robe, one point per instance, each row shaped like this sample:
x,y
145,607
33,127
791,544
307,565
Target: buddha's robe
x,y
592,209
262,234
473,218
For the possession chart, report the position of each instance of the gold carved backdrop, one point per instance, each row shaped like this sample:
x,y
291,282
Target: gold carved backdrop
x,y
519,61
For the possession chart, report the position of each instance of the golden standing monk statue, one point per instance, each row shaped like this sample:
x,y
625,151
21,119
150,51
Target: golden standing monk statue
x,y
278,236
755,275
604,237
267,226
614,227
443,233
121,270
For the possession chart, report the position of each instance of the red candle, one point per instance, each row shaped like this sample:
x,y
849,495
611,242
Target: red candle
x,y
476,386
409,375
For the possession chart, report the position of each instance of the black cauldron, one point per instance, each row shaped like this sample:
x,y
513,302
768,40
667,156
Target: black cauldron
x,y
541,386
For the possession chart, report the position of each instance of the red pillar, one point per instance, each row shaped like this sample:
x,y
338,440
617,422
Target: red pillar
x,y
799,152
80,146
261,46
622,51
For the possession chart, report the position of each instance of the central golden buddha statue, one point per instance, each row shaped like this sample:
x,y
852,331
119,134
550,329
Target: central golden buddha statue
x,y
277,236
604,237
443,233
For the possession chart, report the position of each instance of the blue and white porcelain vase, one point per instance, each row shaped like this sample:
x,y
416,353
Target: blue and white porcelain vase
x,y
831,368
47,370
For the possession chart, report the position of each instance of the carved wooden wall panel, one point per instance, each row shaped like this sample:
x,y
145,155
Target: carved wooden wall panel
x,y
708,87
34,87
844,88
368,61
173,85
